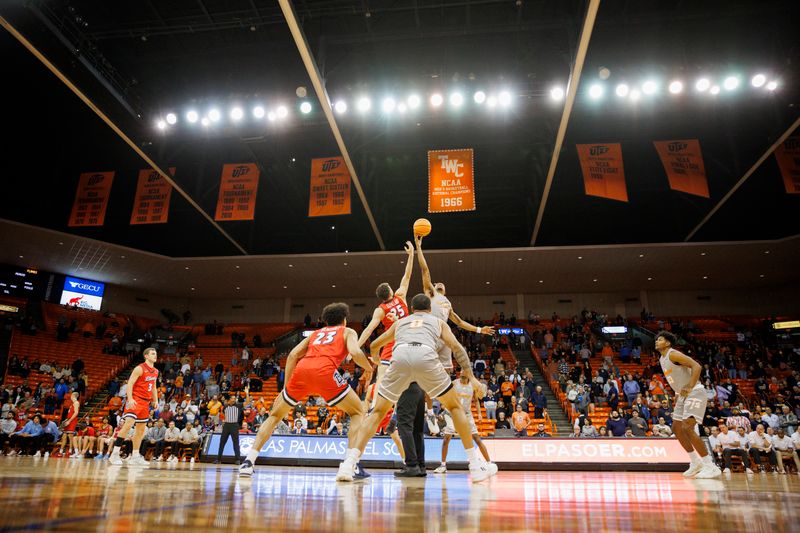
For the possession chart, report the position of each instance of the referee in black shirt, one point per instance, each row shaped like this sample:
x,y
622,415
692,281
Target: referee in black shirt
x,y
234,414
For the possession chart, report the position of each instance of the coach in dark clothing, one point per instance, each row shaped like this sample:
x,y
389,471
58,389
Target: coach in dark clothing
x,y
410,424
234,414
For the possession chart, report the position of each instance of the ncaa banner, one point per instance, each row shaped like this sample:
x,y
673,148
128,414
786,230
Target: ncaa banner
x,y
788,156
603,173
91,199
237,192
153,192
330,188
451,181
683,163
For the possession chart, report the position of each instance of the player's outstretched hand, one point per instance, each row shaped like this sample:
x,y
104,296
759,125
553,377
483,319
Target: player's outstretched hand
x,y
409,248
131,403
685,391
418,240
487,330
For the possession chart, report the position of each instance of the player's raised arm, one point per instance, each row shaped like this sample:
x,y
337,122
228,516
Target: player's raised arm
x,y
135,375
297,353
427,284
463,324
380,342
377,316
459,352
684,360
351,339
402,290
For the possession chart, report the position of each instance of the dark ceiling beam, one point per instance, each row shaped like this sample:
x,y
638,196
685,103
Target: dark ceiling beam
x,y
111,124
572,92
325,103
744,178
205,11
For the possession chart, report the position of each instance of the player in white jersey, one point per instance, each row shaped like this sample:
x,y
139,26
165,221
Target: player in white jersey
x,y
683,373
467,394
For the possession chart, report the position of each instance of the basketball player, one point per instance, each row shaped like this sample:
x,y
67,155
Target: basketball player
x,y
682,373
70,424
415,360
392,308
312,368
142,391
467,394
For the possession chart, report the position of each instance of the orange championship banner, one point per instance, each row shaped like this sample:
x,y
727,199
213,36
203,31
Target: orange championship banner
x,y
237,192
788,155
91,199
683,163
153,192
330,188
451,181
603,173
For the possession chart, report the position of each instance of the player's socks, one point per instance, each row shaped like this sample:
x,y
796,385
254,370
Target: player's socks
x,y
694,457
135,454
252,455
354,454
708,459
471,455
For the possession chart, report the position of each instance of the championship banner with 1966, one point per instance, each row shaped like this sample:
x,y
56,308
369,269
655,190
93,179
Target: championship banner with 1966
x,y
451,181
237,192
788,156
153,192
330,188
683,163
603,173
91,199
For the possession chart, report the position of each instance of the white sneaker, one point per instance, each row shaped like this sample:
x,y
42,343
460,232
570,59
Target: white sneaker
x,y
492,467
694,468
191,461
726,471
115,460
46,455
441,469
479,471
347,469
37,454
172,459
138,461
12,453
708,471
748,471
157,459
76,456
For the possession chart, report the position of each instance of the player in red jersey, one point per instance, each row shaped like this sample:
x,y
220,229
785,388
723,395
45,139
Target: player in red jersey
x,y
142,391
393,307
312,368
70,424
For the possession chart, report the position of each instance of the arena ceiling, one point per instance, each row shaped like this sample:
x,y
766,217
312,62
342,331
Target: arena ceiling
x,y
136,61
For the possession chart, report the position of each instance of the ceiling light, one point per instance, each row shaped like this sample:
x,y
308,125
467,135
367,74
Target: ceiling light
x,y
595,279
641,255
171,118
730,83
622,90
413,101
333,286
557,94
705,277
649,87
766,251
237,266
340,107
460,260
364,104
282,111
758,80
186,268
702,84
504,98
635,95
676,87
161,124
519,259
596,91
192,288
388,105
214,115
436,99
192,116
291,266
714,89
305,108
649,279
541,281
285,287
479,97
702,253
237,113
205,122
259,112
488,282
580,257
761,275
456,99
237,288
771,86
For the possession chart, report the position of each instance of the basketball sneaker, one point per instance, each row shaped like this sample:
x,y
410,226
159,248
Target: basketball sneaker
x,y
246,470
37,454
360,473
694,468
708,471
479,472
139,462
492,468
441,469
347,471
115,460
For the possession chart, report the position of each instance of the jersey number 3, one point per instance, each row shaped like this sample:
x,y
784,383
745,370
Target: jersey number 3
x,y
324,338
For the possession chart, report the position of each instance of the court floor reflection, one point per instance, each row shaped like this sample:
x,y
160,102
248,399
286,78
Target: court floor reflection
x,y
84,494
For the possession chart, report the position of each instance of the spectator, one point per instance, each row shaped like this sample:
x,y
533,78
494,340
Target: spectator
x,y
541,433
770,418
50,435
189,440
172,440
788,420
502,422
105,438
576,432
26,437
732,444
589,430
521,421
631,389
214,408
613,396
760,444
539,402
637,425
738,421
662,429
615,425
785,449
283,427
154,438
298,428
603,431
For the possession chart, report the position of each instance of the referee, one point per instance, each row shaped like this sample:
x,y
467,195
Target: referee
x,y
234,414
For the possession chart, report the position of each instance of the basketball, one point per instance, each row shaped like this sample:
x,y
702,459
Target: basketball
x,y
422,227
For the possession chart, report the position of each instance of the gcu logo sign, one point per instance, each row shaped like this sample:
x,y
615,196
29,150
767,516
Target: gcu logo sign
x,y
330,164
676,146
241,170
84,286
598,150
95,179
451,166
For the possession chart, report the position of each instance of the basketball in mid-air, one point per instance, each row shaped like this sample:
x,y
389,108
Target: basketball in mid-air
x,y
422,227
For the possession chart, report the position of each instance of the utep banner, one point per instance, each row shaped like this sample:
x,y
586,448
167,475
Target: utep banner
x,y
544,451
153,192
683,163
237,192
603,173
451,181
788,156
84,293
91,199
330,188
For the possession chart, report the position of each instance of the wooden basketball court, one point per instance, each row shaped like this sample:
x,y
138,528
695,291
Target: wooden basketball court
x,y
84,495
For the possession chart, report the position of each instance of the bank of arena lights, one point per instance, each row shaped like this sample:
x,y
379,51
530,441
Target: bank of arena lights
x,y
409,105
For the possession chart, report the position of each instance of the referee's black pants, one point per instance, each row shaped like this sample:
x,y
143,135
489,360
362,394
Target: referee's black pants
x,y
410,423
229,429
